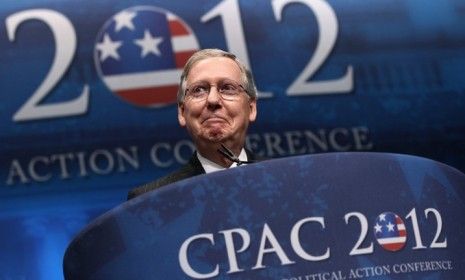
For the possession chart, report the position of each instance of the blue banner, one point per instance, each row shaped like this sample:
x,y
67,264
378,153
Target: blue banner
x,y
88,96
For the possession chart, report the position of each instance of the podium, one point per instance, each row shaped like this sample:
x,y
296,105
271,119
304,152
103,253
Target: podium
x,y
328,216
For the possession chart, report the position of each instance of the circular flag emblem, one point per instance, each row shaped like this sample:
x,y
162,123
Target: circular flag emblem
x,y
140,52
390,231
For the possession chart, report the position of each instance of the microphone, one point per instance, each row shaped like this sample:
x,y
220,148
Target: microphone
x,y
231,156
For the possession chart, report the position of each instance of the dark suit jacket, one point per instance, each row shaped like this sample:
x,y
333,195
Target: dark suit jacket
x,y
191,169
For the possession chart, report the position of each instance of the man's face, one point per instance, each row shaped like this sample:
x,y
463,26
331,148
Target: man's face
x,y
215,119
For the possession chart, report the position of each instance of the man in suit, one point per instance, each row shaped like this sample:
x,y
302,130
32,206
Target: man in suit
x,y
217,100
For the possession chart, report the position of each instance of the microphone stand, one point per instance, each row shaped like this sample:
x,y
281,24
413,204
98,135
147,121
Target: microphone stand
x,y
231,156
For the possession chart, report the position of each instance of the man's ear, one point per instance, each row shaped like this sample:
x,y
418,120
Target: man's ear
x,y
181,119
253,110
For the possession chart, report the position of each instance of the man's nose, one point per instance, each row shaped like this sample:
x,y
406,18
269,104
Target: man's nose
x,y
213,96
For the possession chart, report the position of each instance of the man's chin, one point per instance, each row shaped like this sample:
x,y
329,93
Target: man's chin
x,y
216,138
215,135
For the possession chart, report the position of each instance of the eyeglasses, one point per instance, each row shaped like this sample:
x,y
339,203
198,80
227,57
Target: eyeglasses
x,y
228,90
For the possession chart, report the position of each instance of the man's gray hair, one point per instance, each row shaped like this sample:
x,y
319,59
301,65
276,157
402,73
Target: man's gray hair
x,y
246,74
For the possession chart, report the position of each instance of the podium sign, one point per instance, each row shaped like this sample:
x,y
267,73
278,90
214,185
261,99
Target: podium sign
x,y
329,216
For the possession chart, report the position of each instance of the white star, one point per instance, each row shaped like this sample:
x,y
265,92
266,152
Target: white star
x,y
149,44
124,19
382,217
390,227
378,228
108,48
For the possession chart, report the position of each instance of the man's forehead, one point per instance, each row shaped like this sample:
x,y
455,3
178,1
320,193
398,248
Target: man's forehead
x,y
215,67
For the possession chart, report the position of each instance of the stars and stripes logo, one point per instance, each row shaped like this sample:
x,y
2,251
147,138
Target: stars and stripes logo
x,y
140,53
390,231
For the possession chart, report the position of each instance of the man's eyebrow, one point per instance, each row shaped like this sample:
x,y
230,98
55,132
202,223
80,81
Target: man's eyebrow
x,y
219,81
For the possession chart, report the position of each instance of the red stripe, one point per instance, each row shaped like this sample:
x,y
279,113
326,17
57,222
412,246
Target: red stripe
x,y
393,246
177,28
182,57
399,221
150,96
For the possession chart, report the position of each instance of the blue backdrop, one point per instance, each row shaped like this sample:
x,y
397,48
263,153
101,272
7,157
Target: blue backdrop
x,y
334,75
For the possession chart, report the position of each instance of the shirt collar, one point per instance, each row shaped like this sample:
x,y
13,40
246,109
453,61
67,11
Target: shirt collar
x,y
209,166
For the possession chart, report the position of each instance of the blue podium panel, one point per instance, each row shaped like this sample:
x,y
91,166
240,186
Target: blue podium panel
x,y
329,216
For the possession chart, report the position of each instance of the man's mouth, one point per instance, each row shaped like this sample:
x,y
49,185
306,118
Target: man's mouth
x,y
214,119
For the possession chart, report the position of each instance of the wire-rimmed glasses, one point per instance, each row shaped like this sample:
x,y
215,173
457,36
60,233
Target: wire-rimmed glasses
x,y
227,90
